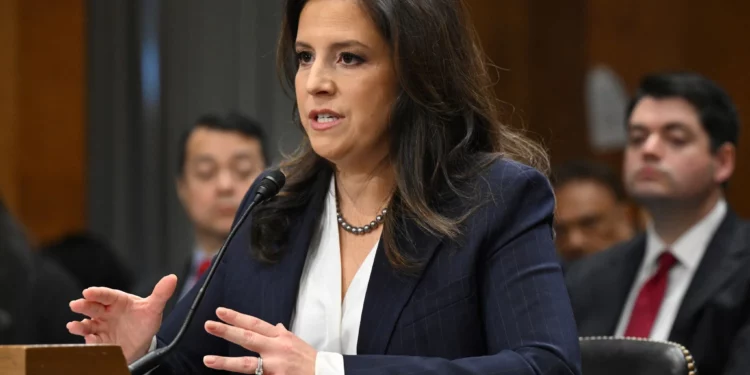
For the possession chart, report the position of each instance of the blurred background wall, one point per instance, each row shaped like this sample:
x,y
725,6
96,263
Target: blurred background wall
x,y
42,106
154,67
547,49
94,94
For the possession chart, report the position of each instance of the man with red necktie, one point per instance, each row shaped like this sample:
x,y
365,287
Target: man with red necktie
x,y
201,261
219,158
685,279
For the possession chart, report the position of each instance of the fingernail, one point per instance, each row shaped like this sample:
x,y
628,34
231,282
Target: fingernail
x,y
226,312
211,325
209,360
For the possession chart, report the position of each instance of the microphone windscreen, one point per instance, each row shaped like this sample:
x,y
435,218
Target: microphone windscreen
x,y
272,183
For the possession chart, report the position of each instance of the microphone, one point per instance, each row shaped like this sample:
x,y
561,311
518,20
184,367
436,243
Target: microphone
x,y
269,187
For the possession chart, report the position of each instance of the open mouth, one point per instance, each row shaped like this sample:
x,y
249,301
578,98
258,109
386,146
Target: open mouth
x,y
324,119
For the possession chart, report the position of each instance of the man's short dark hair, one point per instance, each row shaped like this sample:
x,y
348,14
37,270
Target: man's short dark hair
x,y
717,113
232,122
585,170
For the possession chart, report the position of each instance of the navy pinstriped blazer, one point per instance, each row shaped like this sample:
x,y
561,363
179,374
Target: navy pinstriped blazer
x,y
493,302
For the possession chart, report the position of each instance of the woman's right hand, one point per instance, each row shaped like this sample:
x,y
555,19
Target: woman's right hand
x,y
123,319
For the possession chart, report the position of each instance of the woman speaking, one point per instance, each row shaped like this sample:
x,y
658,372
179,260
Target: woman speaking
x,y
413,235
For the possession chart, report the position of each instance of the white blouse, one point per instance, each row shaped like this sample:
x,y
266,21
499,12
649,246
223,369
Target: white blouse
x,y
321,319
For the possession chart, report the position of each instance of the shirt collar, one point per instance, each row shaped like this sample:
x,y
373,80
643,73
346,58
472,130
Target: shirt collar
x,y
198,256
690,247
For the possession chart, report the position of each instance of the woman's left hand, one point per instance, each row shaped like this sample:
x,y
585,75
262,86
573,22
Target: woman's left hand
x,y
283,353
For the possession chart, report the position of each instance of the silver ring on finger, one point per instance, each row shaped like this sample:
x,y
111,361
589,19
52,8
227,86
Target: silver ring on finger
x,y
259,368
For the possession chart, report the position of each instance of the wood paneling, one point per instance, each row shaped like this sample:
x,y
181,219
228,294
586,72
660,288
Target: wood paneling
x,y
8,102
548,48
709,38
557,49
716,44
542,64
642,37
495,21
46,80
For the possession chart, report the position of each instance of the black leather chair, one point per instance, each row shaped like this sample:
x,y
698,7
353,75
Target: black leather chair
x,y
605,355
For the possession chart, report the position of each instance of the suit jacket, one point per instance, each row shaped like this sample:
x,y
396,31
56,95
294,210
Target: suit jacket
x,y
492,302
182,278
146,285
34,291
16,265
52,290
713,321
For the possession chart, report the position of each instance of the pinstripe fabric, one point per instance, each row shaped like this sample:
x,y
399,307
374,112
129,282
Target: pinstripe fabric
x,y
491,302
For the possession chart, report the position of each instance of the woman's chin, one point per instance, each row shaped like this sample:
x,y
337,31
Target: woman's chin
x,y
328,151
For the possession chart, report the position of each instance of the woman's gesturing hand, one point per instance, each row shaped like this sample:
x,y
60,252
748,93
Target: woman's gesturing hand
x,y
123,319
283,353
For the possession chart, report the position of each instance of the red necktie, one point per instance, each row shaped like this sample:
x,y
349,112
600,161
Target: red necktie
x,y
649,299
202,268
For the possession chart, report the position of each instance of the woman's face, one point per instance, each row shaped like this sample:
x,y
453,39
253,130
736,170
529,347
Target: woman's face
x,y
346,83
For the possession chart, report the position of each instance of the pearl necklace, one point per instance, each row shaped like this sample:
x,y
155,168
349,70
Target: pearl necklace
x,y
359,230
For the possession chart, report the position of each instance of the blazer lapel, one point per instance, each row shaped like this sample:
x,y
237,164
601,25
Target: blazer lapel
x,y
389,289
181,281
615,287
281,287
720,261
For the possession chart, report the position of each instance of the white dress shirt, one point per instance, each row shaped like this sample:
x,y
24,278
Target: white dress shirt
x,y
320,318
689,250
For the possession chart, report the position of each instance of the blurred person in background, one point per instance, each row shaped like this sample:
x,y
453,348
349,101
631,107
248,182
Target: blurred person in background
x,y
685,279
219,158
34,291
90,260
592,213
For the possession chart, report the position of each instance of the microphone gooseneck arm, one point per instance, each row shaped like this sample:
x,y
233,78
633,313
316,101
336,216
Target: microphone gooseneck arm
x,y
269,187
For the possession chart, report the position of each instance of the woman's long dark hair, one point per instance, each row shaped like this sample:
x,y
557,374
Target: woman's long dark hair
x,y
444,127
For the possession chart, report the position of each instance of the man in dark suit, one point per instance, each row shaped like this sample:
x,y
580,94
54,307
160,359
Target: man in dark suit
x,y
685,279
34,291
219,158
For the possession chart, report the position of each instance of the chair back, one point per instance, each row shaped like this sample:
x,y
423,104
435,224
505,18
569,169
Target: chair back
x,y
605,355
